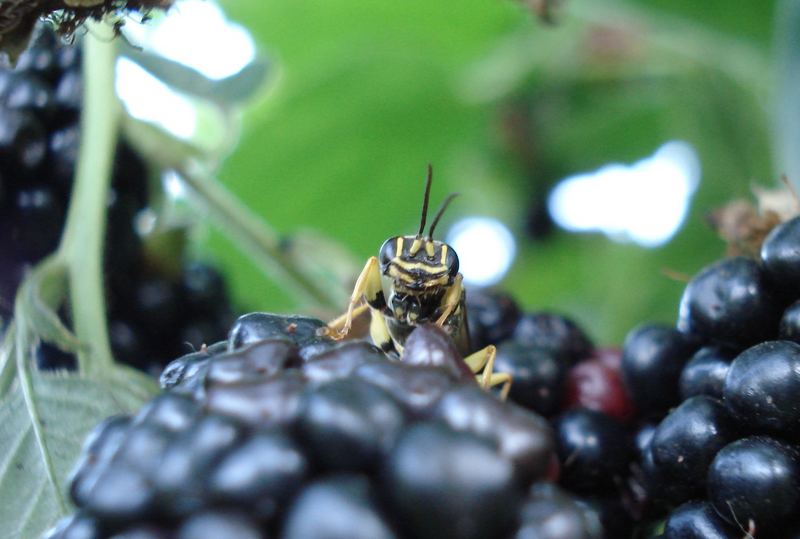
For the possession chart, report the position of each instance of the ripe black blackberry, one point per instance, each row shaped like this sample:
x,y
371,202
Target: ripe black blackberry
x,y
282,437
153,316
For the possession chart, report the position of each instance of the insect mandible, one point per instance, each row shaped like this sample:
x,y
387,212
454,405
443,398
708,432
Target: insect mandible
x,y
415,280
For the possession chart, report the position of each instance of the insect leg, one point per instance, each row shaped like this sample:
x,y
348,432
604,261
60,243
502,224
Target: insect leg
x,y
484,360
368,286
451,300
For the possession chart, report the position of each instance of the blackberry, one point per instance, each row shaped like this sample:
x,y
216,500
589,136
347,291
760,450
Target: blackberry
x,y
698,520
492,317
686,441
554,332
594,451
250,445
762,385
731,302
652,360
538,376
705,373
40,105
755,482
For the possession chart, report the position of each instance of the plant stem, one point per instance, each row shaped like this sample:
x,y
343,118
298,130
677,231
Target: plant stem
x,y
84,232
255,237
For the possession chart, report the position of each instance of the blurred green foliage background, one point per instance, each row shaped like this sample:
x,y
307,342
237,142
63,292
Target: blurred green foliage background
x,y
364,94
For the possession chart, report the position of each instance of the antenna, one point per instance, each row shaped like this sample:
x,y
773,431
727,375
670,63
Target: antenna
x,y
425,201
439,213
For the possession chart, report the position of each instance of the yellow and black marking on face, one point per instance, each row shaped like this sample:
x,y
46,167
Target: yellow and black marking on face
x,y
417,263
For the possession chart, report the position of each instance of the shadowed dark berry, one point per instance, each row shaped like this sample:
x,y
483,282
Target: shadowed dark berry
x,y
340,361
229,524
429,345
554,332
262,473
780,255
179,477
730,302
789,328
98,450
120,494
643,437
756,479
35,226
145,531
127,343
614,519
652,360
69,91
705,373
593,449
68,57
77,526
143,447
687,440
349,424
550,513
416,388
63,153
28,92
491,316
204,287
197,332
252,363
441,483
248,328
40,60
521,436
172,412
698,520
660,489
538,375
49,357
339,507
763,385
23,142
270,402
594,385
157,306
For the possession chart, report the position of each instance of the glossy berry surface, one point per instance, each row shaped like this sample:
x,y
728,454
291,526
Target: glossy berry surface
x,y
756,479
446,484
593,449
687,440
492,317
698,520
781,257
652,360
538,376
731,302
705,373
556,333
789,328
762,386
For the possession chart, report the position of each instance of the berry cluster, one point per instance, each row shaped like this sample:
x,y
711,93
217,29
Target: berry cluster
x,y
725,456
40,106
279,432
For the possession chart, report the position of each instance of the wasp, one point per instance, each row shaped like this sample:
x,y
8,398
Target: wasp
x,y
415,280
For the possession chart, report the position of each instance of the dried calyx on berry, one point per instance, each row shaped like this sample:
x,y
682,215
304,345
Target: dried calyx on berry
x,y
18,17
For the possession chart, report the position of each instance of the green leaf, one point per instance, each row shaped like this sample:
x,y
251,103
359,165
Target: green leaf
x,y
34,470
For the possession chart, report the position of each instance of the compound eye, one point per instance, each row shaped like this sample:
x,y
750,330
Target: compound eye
x,y
452,262
387,252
